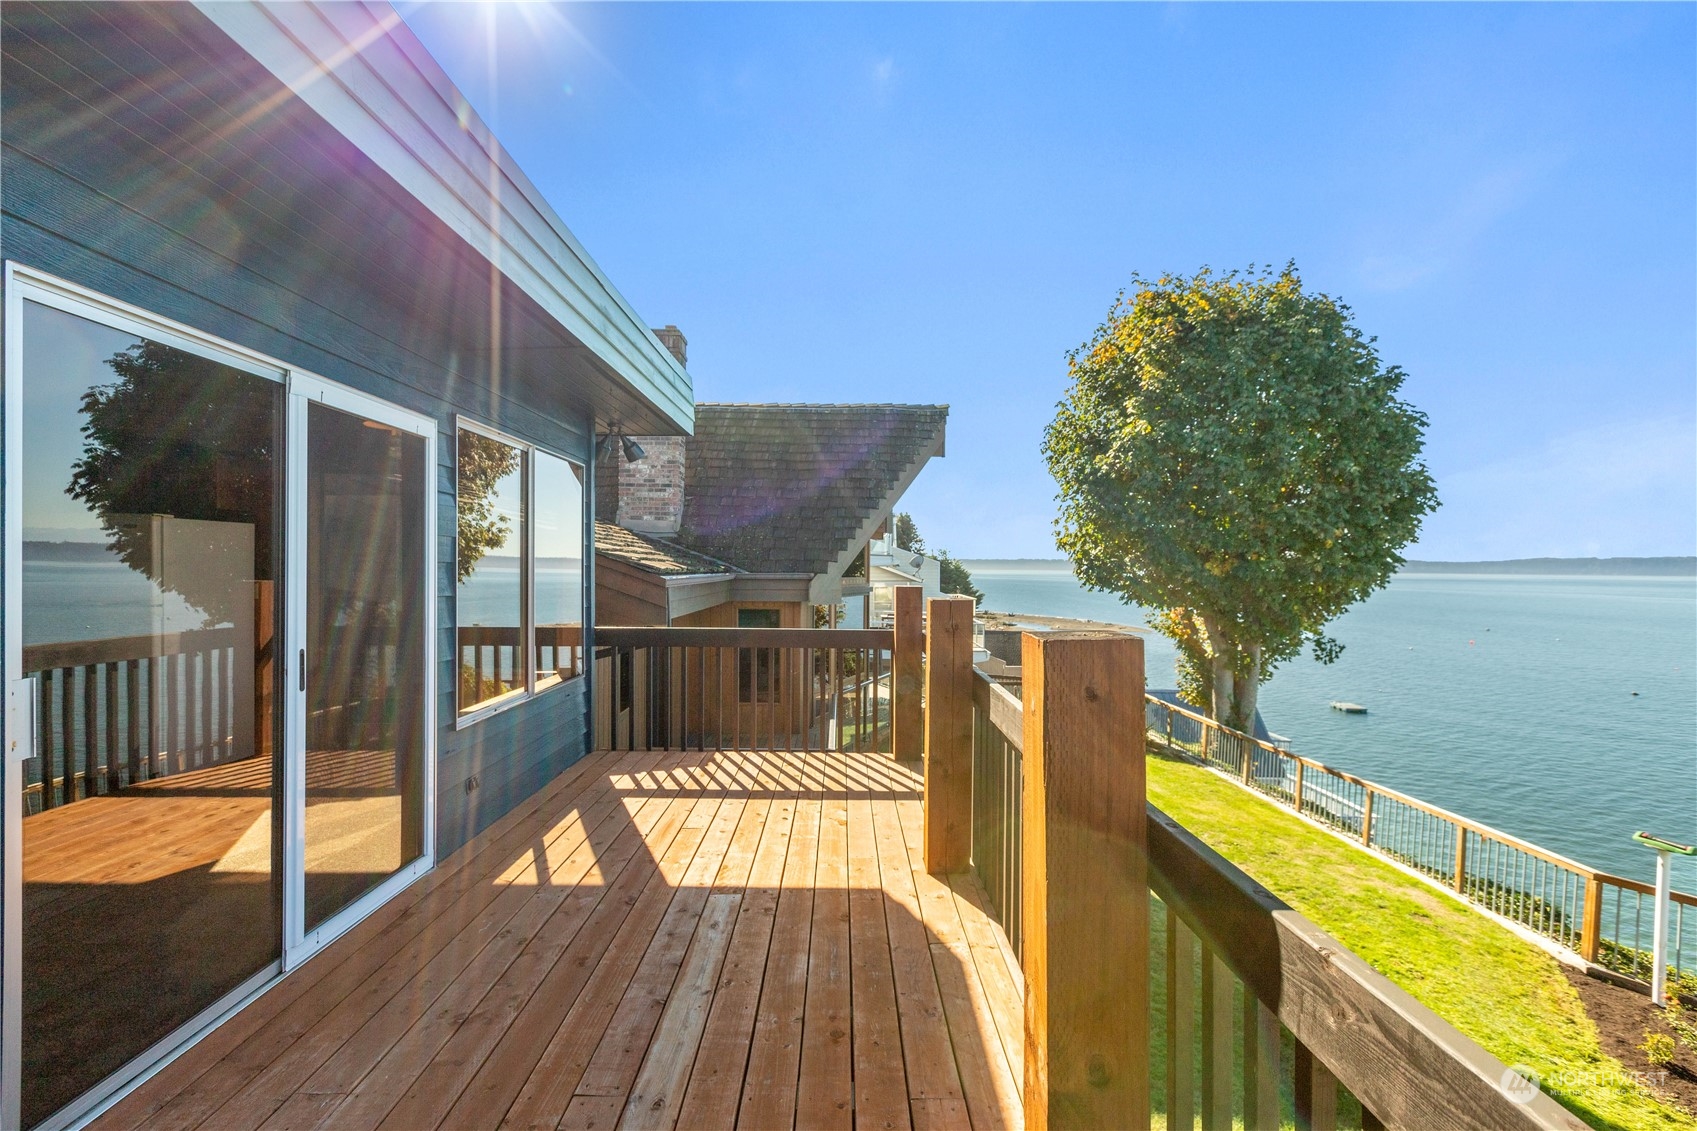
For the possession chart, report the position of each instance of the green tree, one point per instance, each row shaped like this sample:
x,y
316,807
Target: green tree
x,y
956,578
907,534
1232,454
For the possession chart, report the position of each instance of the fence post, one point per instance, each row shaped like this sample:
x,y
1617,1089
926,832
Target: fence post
x,y
906,683
1085,879
1461,857
1591,926
1300,766
1367,818
948,734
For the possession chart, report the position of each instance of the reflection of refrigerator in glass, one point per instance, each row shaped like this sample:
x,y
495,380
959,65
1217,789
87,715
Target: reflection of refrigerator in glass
x,y
201,686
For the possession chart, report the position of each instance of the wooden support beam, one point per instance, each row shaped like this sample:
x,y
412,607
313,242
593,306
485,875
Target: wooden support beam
x,y
1086,892
948,734
907,679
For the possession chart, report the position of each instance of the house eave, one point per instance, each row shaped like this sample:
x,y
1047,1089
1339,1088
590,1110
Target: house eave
x,y
360,68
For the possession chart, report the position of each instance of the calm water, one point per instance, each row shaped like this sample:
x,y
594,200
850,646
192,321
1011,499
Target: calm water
x,y
1506,699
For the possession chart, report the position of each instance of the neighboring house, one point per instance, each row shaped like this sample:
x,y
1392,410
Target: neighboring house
x,y
281,318
890,566
762,514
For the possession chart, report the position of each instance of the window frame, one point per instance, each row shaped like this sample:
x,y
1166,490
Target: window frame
x,y
533,688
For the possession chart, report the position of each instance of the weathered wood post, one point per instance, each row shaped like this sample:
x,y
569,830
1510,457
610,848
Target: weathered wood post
x,y
948,734
1086,890
1591,924
907,678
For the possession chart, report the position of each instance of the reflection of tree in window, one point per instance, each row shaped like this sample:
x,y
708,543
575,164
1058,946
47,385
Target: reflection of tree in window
x,y
180,435
483,463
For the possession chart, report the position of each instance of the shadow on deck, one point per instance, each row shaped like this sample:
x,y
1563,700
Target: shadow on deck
x,y
656,939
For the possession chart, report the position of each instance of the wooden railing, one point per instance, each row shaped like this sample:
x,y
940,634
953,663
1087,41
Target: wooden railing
x,y
998,787
742,689
1251,977
113,712
1604,918
1234,977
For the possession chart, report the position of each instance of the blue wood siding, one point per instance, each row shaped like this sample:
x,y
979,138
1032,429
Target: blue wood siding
x,y
174,193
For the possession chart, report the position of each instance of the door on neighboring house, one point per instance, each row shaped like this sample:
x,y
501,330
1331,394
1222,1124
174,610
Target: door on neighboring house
x,y
762,720
188,809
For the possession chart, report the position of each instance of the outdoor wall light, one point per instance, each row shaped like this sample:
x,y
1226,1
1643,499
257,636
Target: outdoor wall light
x,y
633,450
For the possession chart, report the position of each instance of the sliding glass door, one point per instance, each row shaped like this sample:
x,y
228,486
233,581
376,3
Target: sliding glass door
x,y
363,765
219,695
151,860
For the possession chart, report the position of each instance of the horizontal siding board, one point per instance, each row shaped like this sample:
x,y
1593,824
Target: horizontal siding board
x,y
340,273
418,141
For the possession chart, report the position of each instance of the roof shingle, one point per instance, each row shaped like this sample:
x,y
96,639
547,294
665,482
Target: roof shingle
x,y
653,554
778,488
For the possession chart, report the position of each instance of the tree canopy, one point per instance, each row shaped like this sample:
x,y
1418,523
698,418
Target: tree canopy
x,y
1232,453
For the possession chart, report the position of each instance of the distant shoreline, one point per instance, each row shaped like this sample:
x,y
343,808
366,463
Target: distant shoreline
x,y
1577,567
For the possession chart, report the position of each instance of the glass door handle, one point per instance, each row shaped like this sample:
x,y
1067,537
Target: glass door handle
x,y
303,669
20,718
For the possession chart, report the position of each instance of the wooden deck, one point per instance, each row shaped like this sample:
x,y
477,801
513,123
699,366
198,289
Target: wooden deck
x,y
653,940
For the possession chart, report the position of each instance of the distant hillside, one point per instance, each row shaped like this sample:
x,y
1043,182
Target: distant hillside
x,y
1611,567
1598,567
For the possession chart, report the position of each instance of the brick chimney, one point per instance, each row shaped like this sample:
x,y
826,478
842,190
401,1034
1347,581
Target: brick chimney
x,y
673,339
650,492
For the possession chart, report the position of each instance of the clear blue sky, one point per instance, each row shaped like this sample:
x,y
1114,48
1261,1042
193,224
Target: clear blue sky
x,y
933,203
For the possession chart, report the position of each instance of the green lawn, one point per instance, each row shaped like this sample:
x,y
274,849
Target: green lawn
x,y
1503,992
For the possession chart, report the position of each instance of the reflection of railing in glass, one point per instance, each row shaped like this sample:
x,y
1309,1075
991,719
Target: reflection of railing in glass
x,y
487,657
111,713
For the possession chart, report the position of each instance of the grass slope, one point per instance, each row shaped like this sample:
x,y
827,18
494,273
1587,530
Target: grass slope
x,y
1503,992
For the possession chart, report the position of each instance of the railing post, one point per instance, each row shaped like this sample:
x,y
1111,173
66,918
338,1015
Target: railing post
x,y
1461,857
1315,1092
1591,926
948,734
1181,1023
906,683
1217,984
1300,766
1086,891
1367,818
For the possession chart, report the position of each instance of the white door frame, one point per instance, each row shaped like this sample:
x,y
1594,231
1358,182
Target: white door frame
x,y
305,388
25,283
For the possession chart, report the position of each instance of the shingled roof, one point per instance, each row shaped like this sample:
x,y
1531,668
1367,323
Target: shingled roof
x,y
793,488
654,555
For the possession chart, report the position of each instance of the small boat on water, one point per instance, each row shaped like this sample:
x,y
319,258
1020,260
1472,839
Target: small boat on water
x,y
1348,708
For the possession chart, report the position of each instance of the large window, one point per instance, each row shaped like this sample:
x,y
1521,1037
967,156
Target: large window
x,y
520,570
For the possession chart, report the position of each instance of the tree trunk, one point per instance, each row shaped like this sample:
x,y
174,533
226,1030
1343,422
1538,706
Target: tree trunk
x,y
1236,677
1246,692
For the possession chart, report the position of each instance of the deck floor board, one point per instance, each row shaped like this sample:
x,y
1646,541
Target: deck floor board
x,y
657,940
